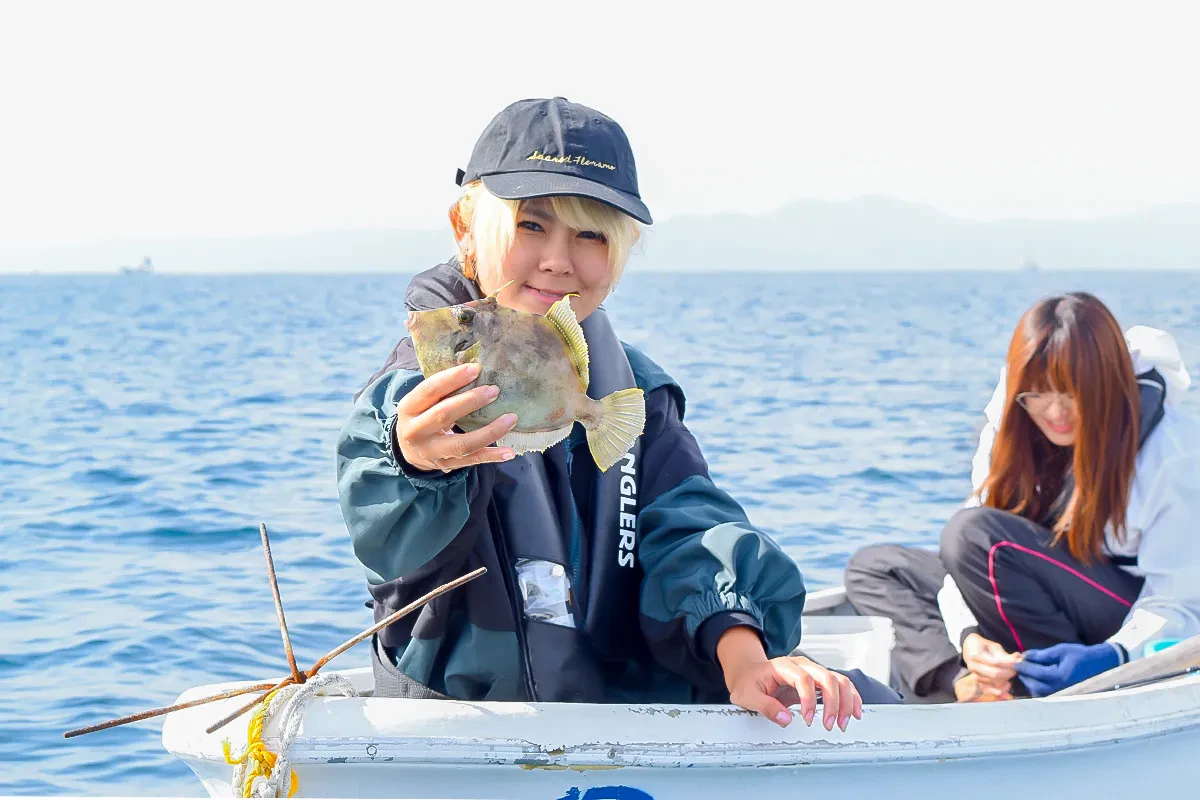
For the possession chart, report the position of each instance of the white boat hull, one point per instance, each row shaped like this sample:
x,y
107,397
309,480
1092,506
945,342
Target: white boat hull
x,y
1131,740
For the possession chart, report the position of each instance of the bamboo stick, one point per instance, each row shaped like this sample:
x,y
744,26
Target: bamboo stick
x,y
287,640
231,717
337,651
296,676
408,609
112,723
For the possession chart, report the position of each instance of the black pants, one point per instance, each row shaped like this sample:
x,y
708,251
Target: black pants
x,y
1025,594
870,690
901,583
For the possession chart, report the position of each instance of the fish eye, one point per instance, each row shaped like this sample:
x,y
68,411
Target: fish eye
x,y
464,315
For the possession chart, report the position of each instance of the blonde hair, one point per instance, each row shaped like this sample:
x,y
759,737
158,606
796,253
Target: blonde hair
x,y
492,224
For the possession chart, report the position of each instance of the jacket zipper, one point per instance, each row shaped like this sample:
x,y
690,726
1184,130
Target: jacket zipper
x,y
576,551
514,593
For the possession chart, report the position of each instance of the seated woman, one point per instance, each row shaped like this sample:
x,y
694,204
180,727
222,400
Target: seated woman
x,y
1078,549
643,583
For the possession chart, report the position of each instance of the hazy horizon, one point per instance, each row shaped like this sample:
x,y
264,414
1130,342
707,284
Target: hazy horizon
x,y
871,233
443,229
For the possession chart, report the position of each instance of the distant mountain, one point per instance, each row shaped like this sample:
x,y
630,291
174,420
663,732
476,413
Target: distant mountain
x,y
881,233
870,233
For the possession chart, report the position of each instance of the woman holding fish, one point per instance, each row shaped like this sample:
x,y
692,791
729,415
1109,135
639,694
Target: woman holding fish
x,y
1078,550
617,572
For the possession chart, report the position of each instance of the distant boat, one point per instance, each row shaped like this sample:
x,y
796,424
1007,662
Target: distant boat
x,y
145,267
1029,265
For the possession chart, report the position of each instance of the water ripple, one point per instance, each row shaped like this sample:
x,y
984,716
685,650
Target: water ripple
x,y
132,492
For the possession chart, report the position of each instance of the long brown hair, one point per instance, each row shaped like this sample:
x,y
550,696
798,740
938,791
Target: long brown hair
x,y
1070,344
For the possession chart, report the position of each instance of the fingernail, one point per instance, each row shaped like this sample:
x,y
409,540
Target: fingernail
x,y
473,370
783,718
808,717
491,392
829,723
843,722
509,456
509,419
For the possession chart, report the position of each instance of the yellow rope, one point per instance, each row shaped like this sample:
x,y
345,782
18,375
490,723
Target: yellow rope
x,y
262,759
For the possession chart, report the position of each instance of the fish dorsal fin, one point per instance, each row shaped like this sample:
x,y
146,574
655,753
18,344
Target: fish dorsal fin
x,y
563,317
492,297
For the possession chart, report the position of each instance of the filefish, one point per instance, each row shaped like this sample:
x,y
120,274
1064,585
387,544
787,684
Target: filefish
x,y
540,364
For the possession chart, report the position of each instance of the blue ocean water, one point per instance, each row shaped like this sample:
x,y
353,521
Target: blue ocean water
x,y
149,423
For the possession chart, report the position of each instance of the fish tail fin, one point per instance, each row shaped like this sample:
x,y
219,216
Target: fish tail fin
x,y
610,434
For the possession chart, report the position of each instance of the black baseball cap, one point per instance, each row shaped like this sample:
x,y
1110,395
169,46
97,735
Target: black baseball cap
x,y
539,148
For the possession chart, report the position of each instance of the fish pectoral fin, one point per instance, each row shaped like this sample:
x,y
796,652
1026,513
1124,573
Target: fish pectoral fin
x,y
621,421
533,441
563,318
470,355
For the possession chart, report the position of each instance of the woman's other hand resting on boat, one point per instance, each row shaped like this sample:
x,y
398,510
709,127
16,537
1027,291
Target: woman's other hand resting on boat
x,y
770,686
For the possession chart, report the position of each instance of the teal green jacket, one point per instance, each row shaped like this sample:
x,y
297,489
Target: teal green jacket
x,y
705,567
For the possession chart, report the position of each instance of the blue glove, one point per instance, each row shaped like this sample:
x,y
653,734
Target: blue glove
x,y
1046,671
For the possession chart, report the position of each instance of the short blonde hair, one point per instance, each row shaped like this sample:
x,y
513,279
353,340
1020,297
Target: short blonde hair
x,y
492,223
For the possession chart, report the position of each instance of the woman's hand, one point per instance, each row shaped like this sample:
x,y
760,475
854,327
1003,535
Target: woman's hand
x,y
991,668
769,686
1055,668
426,415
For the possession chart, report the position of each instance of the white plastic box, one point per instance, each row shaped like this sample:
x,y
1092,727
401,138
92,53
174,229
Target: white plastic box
x,y
849,643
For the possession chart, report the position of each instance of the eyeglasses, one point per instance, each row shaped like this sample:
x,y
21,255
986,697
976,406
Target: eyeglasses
x,y
1040,402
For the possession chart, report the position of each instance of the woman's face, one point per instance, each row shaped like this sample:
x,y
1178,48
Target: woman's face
x,y
1055,414
549,260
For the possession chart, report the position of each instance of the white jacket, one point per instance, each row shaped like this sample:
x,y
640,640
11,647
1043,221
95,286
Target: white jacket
x,y
1162,519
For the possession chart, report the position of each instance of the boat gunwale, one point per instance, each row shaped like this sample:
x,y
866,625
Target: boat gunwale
x,y
1143,712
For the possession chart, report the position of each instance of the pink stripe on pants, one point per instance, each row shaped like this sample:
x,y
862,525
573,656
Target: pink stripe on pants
x,y
1044,557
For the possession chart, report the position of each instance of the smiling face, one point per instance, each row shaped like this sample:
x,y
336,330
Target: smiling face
x,y
546,247
1054,413
547,260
